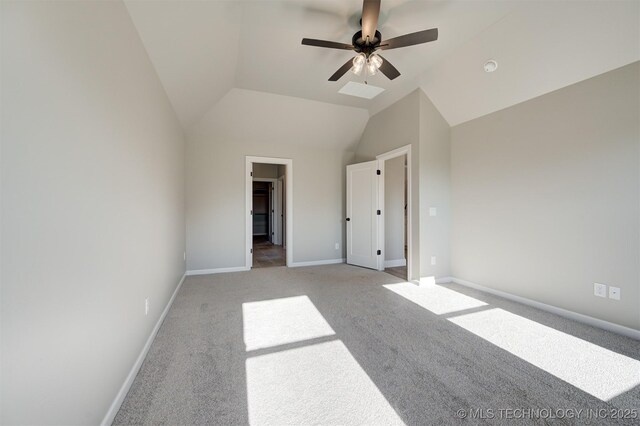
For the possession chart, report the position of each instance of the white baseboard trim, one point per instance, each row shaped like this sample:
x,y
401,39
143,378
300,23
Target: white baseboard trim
x,y
585,319
217,270
434,280
124,389
394,263
318,262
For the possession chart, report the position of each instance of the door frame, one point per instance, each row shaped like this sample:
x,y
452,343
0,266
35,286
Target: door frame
x,y
279,211
404,150
272,197
288,163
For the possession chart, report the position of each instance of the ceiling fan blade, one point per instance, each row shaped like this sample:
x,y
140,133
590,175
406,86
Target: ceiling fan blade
x,y
342,71
389,70
327,44
370,13
410,39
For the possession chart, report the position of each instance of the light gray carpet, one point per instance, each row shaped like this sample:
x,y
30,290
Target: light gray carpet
x,y
333,345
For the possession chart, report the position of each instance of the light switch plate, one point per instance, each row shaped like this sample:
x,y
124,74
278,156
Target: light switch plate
x,y
432,211
599,290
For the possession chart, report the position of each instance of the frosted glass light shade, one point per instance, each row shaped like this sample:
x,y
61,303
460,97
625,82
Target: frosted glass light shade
x,y
358,63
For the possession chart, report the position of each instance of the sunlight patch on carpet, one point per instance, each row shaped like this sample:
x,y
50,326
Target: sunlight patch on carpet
x,y
321,383
270,323
598,371
437,299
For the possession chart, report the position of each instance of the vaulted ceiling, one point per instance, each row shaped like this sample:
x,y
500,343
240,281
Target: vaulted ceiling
x,y
203,49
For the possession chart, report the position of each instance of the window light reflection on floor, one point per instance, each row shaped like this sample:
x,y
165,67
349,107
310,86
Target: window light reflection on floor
x,y
269,323
437,299
319,383
598,371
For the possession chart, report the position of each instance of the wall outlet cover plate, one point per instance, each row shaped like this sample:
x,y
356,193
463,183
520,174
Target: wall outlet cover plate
x,y
614,293
599,290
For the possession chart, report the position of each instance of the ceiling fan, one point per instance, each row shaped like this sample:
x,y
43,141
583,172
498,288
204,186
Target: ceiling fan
x,y
369,40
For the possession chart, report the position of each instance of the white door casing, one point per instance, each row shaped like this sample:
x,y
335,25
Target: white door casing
x,y
288,205
404,150
279,215
363,240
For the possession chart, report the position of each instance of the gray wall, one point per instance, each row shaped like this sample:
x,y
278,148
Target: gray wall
x,y
394,208
92,207
415,121
315,135
435,191
546,197
392,128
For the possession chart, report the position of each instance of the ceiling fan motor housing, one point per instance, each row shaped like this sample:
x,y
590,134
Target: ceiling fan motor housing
x,y
361,45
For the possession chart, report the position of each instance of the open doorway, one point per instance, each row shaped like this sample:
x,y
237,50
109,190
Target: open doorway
x,y
268,247
395,218
367,214
395,198
269,215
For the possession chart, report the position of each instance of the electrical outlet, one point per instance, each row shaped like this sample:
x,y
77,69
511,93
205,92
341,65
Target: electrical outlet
x,y
432,211
146,306
433,260
337,246
599,290
614,293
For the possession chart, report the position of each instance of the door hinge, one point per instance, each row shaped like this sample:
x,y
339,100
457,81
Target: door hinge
x,y
251,173
379,213
250,250
379,252
251,212
378,172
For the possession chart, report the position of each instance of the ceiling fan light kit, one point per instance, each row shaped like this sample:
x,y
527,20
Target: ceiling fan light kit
x,y
358,63
373,64
368,40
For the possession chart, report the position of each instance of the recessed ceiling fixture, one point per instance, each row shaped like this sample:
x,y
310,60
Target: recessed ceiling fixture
x,y
490,66
366,41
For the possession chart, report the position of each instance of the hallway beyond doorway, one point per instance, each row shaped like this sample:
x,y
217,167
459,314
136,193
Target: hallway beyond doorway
x,y
266,254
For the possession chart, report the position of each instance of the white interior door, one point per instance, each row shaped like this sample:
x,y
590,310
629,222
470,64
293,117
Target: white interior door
x,y
362,217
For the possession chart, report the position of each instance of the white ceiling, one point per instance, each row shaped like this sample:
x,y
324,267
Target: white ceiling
x,y
540,47
193,46
202,49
